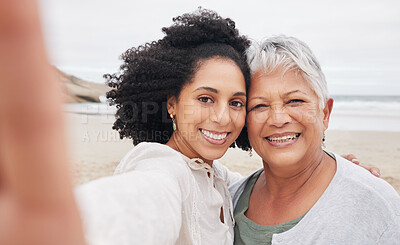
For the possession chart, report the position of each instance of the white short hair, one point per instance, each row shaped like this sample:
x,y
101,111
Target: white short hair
x,y
288,53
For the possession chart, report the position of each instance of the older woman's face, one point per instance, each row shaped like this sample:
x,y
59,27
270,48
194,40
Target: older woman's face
x,y
285,123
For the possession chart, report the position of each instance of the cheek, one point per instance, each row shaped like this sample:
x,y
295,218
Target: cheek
x,y
203,113
255,123
304,115
310,118
256,120
191,112
238,118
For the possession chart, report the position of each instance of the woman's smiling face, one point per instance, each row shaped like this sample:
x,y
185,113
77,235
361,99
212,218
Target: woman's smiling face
x,y
211,110
285,121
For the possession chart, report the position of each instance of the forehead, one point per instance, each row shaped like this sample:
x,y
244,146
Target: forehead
x,y
278,81
218,73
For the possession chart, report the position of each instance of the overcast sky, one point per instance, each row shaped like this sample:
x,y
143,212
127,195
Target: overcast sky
x,y
357,42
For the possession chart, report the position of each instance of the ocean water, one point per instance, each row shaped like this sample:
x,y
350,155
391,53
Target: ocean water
x,y
366,113
348,82
360,113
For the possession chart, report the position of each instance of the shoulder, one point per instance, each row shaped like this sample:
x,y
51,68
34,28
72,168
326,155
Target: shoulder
x,y
150,171
149,159
237,188
357,193
356,208
152,157
392,233
225,174
363,184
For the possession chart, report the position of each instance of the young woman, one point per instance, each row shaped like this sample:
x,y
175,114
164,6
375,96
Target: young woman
x,y
182,100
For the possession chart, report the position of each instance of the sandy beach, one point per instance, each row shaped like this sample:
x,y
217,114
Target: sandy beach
x,y
96,149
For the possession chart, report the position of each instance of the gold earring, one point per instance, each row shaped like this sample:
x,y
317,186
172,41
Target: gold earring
x,y
173,121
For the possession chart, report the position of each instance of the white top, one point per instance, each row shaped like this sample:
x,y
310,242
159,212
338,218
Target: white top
x,y
356,208
158,196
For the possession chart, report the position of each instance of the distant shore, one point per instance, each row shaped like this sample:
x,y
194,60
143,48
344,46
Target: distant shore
x,y
96,149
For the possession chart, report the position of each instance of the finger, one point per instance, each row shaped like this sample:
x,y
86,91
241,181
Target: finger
x,y
351,158
374,170
355,160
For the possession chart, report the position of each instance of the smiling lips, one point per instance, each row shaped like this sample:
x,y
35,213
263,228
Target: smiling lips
x,y
214,137
283,139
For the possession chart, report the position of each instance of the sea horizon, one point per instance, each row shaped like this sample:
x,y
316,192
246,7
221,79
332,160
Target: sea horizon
x,y
355,112
346,82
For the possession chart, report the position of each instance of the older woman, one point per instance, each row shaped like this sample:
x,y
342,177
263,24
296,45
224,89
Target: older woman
x,y
304,194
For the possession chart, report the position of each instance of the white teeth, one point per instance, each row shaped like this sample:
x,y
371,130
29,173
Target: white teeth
x,y
283,138
214,136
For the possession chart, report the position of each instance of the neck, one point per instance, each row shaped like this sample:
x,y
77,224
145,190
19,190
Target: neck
x,y
284,184
178,143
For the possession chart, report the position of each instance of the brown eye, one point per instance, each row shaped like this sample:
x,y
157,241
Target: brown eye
x,y
237,104
205,99
258,106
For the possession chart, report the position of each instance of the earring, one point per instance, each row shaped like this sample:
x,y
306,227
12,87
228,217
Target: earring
x,y
173,121
323,141
251,152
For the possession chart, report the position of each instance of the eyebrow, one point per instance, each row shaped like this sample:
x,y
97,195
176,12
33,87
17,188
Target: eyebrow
x,y
239,94
213,90
292,92
285,95
206,88
258,97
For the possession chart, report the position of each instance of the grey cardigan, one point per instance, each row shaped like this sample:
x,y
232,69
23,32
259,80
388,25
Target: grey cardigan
x,y
356,208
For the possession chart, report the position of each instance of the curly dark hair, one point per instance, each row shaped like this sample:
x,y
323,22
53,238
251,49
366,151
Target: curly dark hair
x,y
152,72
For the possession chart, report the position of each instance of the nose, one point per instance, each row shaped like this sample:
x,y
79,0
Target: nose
x,y
278,117
220,114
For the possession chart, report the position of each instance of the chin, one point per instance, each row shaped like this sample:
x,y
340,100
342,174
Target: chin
x,y
213,154
213,157
286,160
283,158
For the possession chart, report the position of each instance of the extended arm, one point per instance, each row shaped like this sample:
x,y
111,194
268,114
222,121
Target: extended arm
x,y
36,200
138,207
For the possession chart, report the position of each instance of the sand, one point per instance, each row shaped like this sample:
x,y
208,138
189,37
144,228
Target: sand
x,y
96,149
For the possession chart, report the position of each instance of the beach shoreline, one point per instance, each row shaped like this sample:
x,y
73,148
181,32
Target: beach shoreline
x,y
96,149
